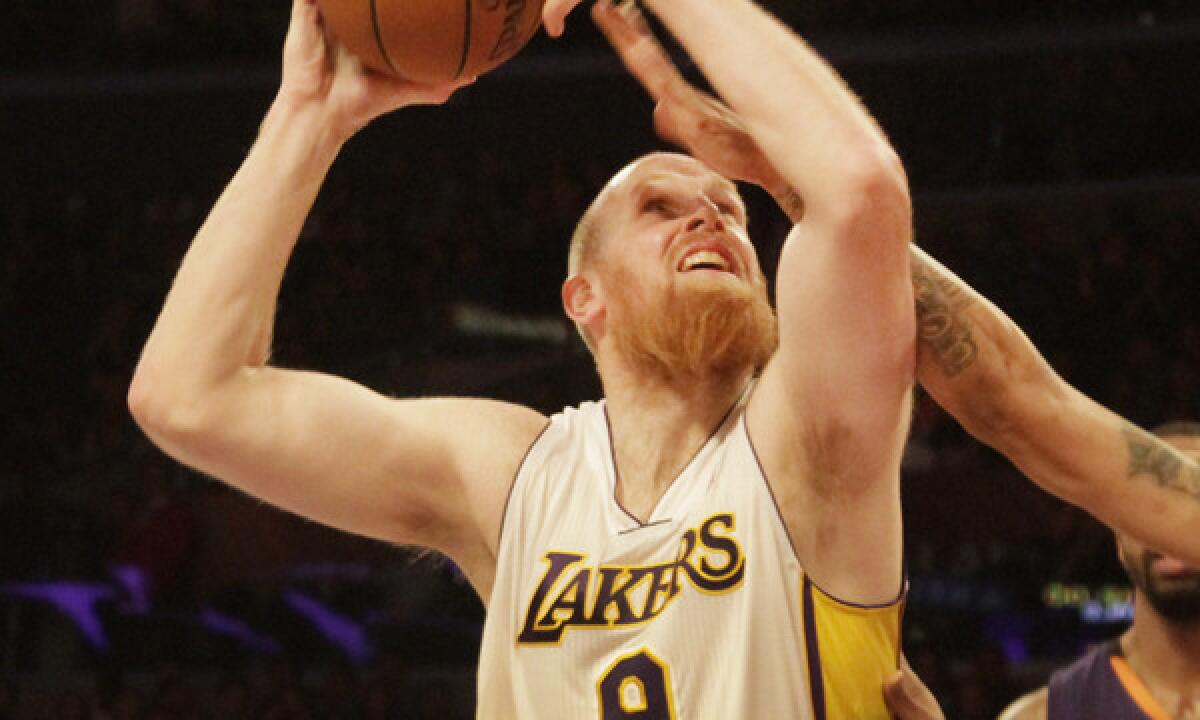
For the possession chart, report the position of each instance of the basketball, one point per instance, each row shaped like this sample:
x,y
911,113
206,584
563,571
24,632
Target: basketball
x,y
432,41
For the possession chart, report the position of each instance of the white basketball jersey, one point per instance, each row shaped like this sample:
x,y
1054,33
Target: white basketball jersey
x,y
701,612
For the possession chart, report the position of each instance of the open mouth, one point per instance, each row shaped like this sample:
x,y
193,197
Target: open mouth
x,y
705,259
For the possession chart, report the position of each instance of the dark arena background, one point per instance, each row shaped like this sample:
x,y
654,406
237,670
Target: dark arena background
x,y
1052,150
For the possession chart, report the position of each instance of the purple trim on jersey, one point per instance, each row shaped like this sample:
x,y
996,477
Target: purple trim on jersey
x,y
626,531
1088,689
816,679
612,455
512,486
779,513
612,458
762,472
879,606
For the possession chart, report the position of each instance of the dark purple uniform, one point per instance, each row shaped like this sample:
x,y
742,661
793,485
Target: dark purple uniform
x,y
1090,688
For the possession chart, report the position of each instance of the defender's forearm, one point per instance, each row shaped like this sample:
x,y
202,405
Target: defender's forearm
x,y
980,367
972,358
218,315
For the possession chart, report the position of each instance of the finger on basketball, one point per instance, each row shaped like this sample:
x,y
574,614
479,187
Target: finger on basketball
x,y
303,13
303,35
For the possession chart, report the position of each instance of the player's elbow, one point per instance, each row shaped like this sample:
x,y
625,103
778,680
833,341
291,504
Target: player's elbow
x,y
161,407
876,169
987,404
874,195
987,416
876,166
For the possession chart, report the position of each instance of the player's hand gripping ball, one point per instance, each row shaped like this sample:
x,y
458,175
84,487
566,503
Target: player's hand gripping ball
x,y
433,41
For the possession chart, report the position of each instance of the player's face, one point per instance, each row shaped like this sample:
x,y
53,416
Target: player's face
x,y
685,291
1170,586
674,221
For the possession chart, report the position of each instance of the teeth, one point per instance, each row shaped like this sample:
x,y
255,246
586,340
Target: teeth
x,y
704,258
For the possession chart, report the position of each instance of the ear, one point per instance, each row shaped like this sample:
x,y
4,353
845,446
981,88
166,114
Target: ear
x,y
581,300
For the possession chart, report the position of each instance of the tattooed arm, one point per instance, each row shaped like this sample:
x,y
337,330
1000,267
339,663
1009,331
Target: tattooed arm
x,y
980,367
1158,462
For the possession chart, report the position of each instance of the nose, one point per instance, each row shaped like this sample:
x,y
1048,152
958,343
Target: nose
x,y
706,214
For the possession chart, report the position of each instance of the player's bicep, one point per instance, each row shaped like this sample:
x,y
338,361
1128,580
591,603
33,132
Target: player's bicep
x,y
830,414
845,364
337,452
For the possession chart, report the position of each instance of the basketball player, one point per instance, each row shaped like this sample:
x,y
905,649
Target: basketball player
x,y
968,352
972,359
719,537
1152,672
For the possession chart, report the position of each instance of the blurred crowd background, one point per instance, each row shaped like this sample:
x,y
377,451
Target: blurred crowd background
x,y
1051,149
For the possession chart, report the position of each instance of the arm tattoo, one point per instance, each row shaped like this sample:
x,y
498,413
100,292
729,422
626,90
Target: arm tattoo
x,y
1163,464
942,327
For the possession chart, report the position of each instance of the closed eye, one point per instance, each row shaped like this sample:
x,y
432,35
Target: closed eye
x,y
658,206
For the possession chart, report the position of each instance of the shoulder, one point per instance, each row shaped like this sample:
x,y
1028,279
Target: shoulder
x,y
574,434
479,443
490,424
1028,707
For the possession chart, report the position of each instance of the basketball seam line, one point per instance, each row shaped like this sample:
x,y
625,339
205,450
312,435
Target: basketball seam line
x,y
379,37
466,42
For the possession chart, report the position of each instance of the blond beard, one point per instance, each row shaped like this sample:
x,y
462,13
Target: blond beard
x,y
709,331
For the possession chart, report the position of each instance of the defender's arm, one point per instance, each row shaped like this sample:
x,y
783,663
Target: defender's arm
x,y
980,367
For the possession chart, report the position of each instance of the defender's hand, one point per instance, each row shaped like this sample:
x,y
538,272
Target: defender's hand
x,y
684,115
555,12
319,72
907,698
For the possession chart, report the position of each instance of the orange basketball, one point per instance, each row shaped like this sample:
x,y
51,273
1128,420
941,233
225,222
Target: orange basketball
x,y
433,40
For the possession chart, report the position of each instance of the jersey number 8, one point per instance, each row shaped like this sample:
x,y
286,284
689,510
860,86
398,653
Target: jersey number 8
x,y
636,687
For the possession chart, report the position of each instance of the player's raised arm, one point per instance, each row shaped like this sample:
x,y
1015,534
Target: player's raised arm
x,y
970,352
985,372
830,413
316,445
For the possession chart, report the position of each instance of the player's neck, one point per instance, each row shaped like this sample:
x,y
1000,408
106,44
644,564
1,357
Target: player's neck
x,y
658,428
1165,655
